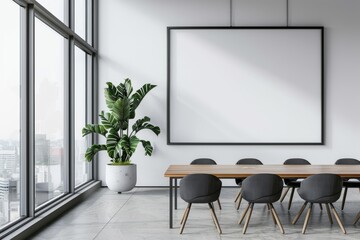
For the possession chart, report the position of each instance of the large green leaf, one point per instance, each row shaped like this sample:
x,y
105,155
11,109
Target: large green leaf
x,y
138,96
147,146
128,144
143,124
112,140
121,111
128,87
91,151
109,121
111,95
139,123
93,128
125,89
121,90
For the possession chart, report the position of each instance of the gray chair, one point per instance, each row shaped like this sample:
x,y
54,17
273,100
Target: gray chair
x,y
320,188
238,181
205,161
261,188
293,183
347,183
200,188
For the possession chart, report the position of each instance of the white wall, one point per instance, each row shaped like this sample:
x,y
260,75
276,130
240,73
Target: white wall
x,y
132,42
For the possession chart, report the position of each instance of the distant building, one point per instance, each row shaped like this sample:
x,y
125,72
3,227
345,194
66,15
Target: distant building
x,y
8,162
42,149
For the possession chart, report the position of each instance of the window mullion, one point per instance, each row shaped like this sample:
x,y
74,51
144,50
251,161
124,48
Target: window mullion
x,y
29,105
71,94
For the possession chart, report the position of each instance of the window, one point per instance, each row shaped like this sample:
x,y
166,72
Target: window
x,y
80,18
82,168
83,19
49,113
56,7
10,107
46,99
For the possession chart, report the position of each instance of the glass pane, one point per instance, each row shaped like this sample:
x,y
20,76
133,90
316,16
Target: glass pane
x,y
89,17
10,108
49,113
56,7
80,18
82,173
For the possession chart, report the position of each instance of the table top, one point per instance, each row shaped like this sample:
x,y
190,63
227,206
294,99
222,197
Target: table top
x,y
284,171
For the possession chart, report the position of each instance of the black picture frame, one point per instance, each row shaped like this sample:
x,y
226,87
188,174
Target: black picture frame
x,y
171,28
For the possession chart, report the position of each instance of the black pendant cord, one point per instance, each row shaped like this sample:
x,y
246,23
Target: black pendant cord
x,y
287,13
230,13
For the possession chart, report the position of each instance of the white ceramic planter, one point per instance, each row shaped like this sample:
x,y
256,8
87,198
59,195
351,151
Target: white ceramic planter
x,y
121,178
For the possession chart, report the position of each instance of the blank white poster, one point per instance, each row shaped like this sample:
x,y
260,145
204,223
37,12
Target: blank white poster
x,y
245,86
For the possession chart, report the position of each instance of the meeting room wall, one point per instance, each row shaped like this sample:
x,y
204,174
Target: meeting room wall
x,y
132,44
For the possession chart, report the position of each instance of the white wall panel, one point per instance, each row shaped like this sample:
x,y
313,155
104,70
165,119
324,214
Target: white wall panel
x,y
132,43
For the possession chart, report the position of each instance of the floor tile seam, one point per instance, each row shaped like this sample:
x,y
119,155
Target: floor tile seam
x,y
113,216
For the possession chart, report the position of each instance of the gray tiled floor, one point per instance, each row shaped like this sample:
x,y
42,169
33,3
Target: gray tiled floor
x,y
143,214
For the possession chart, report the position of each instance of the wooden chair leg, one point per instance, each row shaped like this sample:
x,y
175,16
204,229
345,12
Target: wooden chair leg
x,y
299,213
277,218
215,218
248,218
337,218
238,195
284,194
218,201
344,198
239,202
291,197
271,212
356,218
244,213
329,213
307,218
185,218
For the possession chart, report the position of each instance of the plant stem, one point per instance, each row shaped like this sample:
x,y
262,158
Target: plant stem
x,y
131,133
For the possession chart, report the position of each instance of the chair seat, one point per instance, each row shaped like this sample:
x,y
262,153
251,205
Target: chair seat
x,y
295,184
267,199
239,181
327,199
351,184
203,199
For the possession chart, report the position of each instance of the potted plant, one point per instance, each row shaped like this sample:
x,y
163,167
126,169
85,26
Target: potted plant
x,y
121,139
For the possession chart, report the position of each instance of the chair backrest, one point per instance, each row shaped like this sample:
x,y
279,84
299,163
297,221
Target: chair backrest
x,y
321,186
347,161
247,161
263,185
203,161
297,161
200,185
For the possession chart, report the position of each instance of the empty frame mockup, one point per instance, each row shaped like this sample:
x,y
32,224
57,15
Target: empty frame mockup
x,y
245,85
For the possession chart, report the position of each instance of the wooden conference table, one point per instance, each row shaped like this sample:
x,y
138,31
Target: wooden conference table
x,y
240,171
